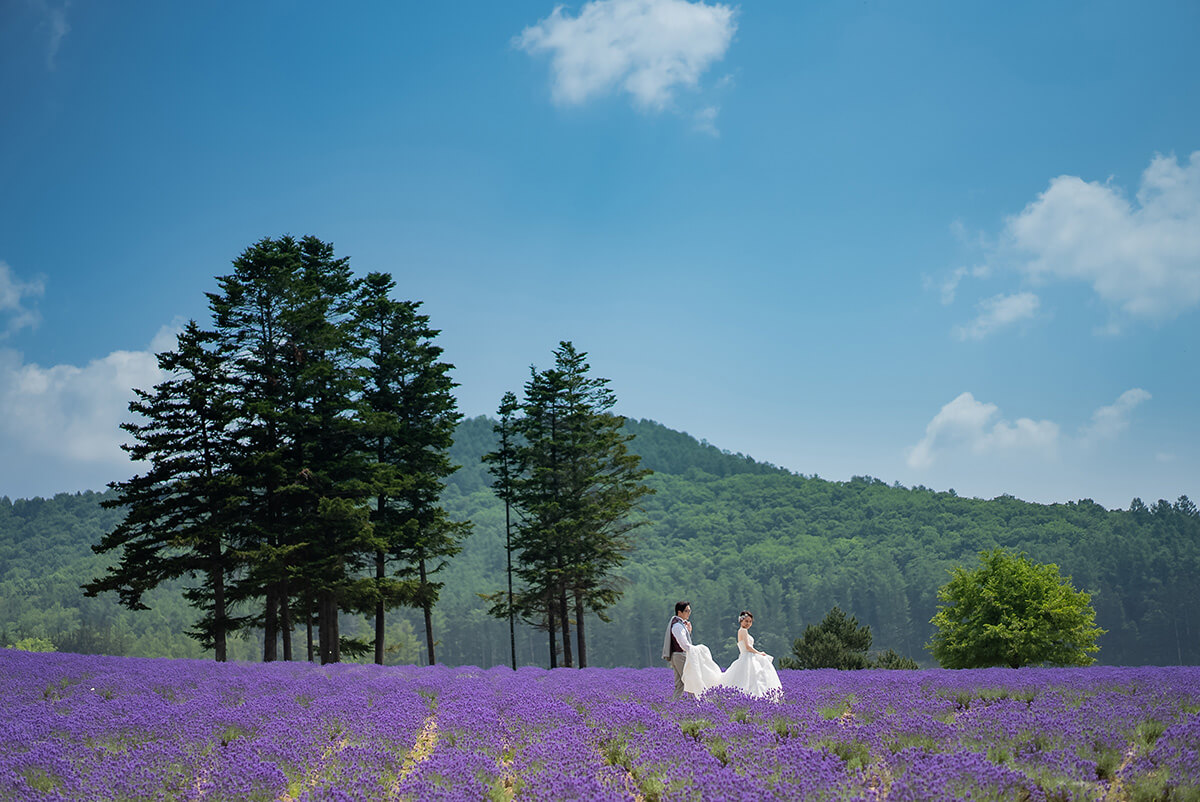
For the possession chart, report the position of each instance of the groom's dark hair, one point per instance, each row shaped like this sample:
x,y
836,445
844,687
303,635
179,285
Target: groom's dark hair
x,y
681,606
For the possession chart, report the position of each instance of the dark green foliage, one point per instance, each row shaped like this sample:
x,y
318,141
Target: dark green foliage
x,y
1011,611
181,514
408,416
563,467
892,659
837,642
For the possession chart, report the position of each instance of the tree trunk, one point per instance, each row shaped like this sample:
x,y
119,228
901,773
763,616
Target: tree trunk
x,y
270,627
335,633
328,625
550,627
428,608
580,639
379,608
308,624
322,630
566,625
218,581
285,620
512,618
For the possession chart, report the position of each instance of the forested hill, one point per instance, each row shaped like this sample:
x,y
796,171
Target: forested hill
x,y
726,532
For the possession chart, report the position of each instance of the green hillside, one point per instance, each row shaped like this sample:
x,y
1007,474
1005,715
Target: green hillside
x,y
727,533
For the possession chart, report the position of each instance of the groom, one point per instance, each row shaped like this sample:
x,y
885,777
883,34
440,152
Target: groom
x,y
677,642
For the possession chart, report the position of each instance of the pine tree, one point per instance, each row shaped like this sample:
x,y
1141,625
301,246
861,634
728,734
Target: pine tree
x,y
409,414
574,484
284,315
249,316
182,514
502,464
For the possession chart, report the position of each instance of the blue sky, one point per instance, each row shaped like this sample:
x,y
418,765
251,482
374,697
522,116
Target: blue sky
x,y
945,244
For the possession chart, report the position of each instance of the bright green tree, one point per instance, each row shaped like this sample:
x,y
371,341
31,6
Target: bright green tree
x,y
1011,611
35,645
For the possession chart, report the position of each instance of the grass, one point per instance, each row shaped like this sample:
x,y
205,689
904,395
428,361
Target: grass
x,y
40,780
694,726
855,754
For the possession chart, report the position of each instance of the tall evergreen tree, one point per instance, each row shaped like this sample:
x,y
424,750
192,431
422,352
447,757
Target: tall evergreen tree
x,y
249,315
502,463
182,513
410,415
284,315
603,485
328,496
574,484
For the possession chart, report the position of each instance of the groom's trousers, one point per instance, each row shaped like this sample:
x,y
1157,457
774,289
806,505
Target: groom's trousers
x,y
678,659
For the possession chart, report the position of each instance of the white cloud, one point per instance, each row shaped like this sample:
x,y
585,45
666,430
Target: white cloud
x,y
648,48
1143,257
997,312
949,286
1108,422
965,424
13,293
72,414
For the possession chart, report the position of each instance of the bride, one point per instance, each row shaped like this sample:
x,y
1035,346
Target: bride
x,y
752,673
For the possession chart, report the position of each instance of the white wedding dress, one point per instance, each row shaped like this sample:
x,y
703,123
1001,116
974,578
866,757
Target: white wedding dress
x,y
752,674
700,671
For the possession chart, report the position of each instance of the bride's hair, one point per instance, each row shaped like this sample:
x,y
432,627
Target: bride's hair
x,y
743,615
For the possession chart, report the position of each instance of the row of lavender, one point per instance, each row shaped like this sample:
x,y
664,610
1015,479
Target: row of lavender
x,y
79,727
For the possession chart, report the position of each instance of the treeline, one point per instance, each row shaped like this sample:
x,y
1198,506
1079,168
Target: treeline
x,y
728,534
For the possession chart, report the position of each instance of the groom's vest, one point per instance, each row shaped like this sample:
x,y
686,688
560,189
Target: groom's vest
x,y
675,647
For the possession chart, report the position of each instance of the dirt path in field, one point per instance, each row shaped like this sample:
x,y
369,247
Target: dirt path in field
x,y
1116,789
421,750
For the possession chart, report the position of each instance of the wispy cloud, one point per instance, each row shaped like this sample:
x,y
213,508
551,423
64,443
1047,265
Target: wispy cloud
x,y
646,48
1108,422
14,294
53,19
948,287
706,120
1142,257
997,312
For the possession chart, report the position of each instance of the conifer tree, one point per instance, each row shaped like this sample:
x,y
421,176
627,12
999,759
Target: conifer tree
x,y
284,315
574,484
502,464
409,414
182,513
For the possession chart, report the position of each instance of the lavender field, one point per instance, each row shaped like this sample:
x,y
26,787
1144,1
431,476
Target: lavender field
x,y
85,727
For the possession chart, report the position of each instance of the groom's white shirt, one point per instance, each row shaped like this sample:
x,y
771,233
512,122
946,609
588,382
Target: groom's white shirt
x,y
675,628
682,636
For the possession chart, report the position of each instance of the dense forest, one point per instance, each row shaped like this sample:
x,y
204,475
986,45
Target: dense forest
x,y
726,532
